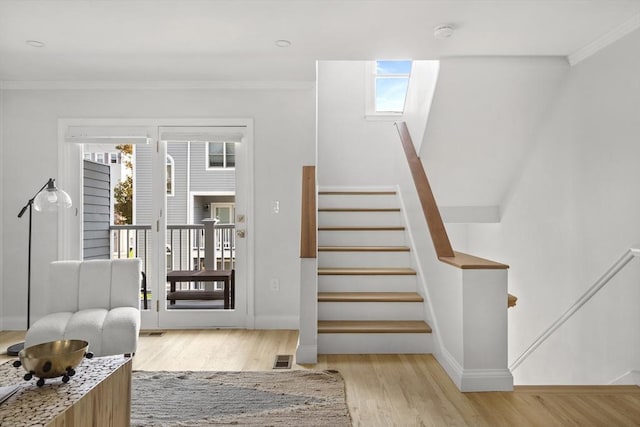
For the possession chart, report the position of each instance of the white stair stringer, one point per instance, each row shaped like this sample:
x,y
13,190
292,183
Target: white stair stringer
x,y
362,250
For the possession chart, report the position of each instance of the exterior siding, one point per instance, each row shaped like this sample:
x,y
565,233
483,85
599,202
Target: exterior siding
x,y
201,180
209,180
97,213
177,203
142,183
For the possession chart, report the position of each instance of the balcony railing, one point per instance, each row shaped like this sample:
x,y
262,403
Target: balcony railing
x,y
186,247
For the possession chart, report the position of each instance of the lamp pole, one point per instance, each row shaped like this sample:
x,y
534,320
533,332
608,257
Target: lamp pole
x,y
50,201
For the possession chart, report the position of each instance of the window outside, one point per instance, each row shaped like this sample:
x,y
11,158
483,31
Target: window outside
x,y
221,155
391,83
169,175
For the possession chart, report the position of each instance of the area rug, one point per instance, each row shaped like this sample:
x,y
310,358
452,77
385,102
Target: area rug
x,y
282,398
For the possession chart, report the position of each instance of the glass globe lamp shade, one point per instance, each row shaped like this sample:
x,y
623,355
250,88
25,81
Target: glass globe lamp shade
x,y
51,198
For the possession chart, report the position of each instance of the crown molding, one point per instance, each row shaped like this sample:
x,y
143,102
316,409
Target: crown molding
x,y
155,85
605,40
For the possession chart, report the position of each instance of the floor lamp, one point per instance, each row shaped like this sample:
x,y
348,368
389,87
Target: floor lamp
x,y
47,199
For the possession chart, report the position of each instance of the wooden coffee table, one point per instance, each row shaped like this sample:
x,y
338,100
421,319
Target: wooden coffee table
x,y
99,394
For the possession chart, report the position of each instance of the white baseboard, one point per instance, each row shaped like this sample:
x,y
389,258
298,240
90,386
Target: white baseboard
x,y
276,322
450,366
628,378
306,354
486,380
471,380
14,324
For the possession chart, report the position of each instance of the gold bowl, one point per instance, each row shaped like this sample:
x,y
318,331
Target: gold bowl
x,y
53,359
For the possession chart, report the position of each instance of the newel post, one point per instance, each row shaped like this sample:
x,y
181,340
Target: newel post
x,y
209,244
484,331
307,349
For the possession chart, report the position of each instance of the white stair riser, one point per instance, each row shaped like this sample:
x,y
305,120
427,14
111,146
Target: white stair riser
x,y
362,238
366,283
359,218
375,343
357,201
364,259
370,311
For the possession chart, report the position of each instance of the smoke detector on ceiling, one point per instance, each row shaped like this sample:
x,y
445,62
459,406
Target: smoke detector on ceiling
x,y
443,31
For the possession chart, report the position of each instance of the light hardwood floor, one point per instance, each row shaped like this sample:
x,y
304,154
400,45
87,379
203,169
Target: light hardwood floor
x,y
389,390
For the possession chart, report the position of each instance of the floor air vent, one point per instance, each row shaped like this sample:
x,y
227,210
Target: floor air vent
x,y
283,361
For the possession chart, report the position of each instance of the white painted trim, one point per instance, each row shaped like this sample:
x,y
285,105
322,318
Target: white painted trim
x,y
450,365
249,218
472,380
628,378
153,85
306,353
211,193
602,281
276,322
384,117
486,380
430,316
605,40
69,219
1,211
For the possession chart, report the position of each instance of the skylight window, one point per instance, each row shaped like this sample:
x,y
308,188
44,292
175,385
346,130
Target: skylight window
x,y
391,83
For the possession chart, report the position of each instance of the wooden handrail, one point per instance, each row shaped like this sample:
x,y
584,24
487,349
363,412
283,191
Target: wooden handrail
x,y
429,207
308,228
441,243
466,261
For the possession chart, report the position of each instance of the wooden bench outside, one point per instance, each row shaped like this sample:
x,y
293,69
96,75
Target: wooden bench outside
x,y
225,276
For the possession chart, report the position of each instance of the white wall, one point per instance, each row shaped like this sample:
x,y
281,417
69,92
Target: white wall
x,y
284,124
483,115
1,215
572,210
422,86
352,151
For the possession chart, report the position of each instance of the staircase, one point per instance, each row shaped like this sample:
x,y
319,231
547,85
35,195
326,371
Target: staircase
x,y
367,291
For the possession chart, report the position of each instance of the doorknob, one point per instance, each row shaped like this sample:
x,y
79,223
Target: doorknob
x,y
240,233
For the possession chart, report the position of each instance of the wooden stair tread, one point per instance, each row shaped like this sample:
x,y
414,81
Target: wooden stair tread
x,y
363,248
369,297
373,326
359,210
361,228
366,271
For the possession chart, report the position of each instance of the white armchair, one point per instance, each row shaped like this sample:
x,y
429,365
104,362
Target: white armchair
x,y
97,301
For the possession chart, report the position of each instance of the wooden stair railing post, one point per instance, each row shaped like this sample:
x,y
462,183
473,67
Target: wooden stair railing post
x,y
308,228
209,244
307,349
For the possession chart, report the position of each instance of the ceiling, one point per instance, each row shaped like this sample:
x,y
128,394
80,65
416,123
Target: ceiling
x,y
234,40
